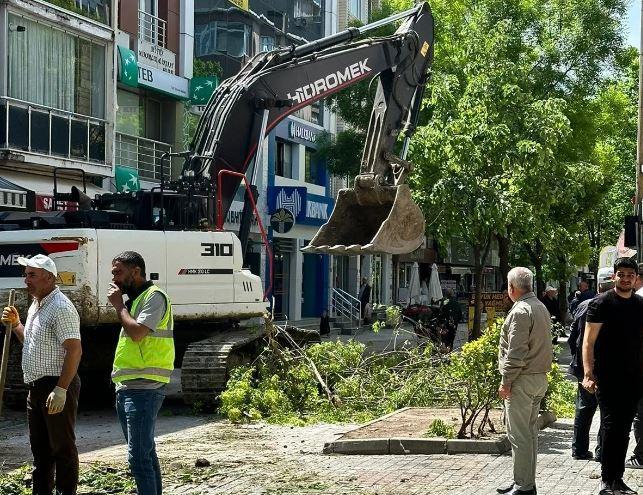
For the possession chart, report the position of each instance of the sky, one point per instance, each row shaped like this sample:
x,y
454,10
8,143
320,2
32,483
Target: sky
x,y
634,23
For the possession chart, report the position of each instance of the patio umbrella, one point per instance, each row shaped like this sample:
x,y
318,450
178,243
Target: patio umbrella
x,y
435,290
414,284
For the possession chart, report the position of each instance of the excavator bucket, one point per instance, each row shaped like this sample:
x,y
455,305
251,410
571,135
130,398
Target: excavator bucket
x,y
370,222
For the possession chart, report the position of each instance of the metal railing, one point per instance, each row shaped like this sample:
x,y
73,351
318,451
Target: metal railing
x,y
152,29
345,305
26,126
142,154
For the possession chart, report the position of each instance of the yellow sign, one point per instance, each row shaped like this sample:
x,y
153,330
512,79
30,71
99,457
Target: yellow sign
x,y
242,4
66,278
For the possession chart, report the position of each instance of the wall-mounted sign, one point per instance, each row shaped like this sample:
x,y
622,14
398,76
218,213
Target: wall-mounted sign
x,y
127,67
282,221
158,80
155,56
242,4
126,179
318,209
201,89
292,199
298,131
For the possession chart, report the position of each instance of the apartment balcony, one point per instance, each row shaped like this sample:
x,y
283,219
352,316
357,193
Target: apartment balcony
x,y
152,29
30,129
143,155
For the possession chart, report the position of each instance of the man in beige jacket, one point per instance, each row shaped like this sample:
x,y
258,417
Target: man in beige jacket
x,y
524,358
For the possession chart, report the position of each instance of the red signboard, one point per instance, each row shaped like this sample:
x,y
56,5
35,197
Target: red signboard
x,y
45,202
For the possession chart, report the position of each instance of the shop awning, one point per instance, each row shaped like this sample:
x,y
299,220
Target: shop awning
x,y
13,196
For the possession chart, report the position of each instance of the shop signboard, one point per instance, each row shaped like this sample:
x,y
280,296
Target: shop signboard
x,y
127,67
156,56
302,132
318,209
126,179
201,89
293,199
493,303
157,80
282,221
242,4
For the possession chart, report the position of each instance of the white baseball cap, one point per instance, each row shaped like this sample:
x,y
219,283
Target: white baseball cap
x,y
39,261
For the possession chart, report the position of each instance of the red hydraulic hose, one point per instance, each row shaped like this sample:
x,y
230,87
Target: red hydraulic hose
x,y
264,237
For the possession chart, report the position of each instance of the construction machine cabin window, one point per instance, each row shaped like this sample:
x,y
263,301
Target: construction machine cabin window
x,y
283,161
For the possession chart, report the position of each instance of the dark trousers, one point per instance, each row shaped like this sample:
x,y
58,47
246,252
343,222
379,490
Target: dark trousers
x,y
52,438
638,431
586,404
618,402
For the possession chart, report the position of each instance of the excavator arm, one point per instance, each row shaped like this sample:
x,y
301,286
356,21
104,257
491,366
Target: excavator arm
x,y
276,84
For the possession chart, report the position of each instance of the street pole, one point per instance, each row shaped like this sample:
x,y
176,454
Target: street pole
x,y
639,151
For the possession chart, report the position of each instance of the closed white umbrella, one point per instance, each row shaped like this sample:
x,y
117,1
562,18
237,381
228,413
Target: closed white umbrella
x,y
435,290
414,284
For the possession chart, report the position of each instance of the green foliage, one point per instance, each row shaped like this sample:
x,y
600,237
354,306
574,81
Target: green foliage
x,y
472,380
561,394
439,428
95,478
342,153
206,68
13,483
73,7
393,315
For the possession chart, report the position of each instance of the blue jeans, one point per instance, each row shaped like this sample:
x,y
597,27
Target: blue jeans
x,y
137,410
586,404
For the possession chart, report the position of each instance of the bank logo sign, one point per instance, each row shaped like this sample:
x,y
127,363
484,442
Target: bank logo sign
x,y
306,208
330,82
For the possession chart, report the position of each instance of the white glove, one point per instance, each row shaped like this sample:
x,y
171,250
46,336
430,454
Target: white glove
x,y
56,400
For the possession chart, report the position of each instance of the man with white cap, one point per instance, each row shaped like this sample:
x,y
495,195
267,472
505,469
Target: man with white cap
x,y
50,357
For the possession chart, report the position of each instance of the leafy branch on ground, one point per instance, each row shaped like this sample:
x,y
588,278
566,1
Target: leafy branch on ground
x,y
340,382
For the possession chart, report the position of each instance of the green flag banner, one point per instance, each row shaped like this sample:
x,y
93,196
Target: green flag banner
x,y
128,67
126,179
201,88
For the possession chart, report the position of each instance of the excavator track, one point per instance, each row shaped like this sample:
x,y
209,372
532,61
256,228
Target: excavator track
x,y
207,364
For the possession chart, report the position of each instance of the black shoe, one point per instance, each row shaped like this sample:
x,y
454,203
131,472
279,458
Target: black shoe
x,y
621,488
505,489
585,456
634,463
515,491
605,488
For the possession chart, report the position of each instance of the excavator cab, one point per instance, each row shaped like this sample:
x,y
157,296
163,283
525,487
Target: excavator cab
x,y
388,221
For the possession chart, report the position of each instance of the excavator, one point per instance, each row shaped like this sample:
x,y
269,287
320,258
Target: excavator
x,y
178,225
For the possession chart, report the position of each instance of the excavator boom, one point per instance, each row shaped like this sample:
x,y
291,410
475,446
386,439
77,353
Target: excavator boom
x,y
376,215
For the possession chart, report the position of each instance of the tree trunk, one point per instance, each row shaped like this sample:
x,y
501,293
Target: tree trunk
x,y
503,254
536,257
480,252
477,280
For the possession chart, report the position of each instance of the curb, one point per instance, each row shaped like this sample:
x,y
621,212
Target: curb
x,y
427,446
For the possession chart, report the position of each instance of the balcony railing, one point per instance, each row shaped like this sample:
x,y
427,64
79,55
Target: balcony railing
x,y
143,155
34,128
152,29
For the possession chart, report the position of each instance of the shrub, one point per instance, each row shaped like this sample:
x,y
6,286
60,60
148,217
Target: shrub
x,y
471,379
439,428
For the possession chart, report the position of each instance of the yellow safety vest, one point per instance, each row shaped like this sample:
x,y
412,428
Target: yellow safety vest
x,y
153,356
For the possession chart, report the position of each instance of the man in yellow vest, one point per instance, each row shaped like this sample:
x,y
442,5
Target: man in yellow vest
x,y
143,362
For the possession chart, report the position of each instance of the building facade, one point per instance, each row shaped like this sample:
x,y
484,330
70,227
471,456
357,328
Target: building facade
x,y
291,179
155,52
57,95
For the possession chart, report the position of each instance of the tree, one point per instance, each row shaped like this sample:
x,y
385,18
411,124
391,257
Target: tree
x,y
490,139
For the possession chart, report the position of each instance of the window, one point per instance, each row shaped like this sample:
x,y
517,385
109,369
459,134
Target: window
x,y
231,38
314,174
355,8
55,69
283,165
130,117
267,43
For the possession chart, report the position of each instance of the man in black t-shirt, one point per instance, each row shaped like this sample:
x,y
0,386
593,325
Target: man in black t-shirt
x,y
611,362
